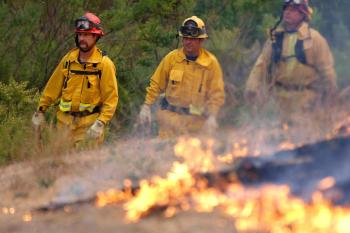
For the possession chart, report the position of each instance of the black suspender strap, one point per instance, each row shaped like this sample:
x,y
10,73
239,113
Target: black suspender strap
x,y
277,45
66,66
300,52
83,72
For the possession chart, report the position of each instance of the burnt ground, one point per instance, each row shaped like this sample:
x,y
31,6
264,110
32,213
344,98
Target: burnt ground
x,y
35,183
28,185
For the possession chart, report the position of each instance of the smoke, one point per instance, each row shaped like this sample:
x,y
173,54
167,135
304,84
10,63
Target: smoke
x,y
132,159
262,132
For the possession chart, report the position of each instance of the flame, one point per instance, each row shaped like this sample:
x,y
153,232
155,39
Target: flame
x,y
286,146
203,159
269,208
240,150
114,196
285,127
170,191
27,217
326,183
341,128
8,210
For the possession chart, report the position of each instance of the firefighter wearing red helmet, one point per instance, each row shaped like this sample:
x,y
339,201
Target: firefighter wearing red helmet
x,y
295,67
85,86
89,23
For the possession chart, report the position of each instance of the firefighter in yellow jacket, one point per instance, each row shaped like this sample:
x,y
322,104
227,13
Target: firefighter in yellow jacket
x,y
84,86
296,64
191,79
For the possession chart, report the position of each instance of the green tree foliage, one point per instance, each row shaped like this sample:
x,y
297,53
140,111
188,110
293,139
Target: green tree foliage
x,y
15,98
16,103
250,16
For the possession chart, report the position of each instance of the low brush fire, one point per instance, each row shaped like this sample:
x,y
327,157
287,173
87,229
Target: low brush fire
x,y
305,198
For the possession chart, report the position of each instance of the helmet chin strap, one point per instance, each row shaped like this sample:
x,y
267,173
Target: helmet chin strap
x,y
76,40
177,40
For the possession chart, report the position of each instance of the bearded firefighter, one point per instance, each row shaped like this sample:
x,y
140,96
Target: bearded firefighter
x,y
191,80
84,86
295,66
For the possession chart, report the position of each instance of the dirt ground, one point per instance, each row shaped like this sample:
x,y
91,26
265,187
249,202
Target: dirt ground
x,y
86,218
32,184
29,185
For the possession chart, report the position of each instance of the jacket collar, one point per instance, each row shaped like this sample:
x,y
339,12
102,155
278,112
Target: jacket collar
x,y
96,56
303,31
203,58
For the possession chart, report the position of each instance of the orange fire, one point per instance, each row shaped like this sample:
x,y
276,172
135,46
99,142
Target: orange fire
x,y
8,210
27,217
269,208
287,146
341,128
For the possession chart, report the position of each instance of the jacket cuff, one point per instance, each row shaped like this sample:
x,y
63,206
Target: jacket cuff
x,y
104,121
148,102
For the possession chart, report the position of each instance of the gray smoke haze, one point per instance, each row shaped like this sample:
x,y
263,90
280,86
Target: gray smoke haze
x,y
263,131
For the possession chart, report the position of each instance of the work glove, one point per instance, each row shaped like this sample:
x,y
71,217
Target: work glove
x,y
38,119
145,115
96,130
210,125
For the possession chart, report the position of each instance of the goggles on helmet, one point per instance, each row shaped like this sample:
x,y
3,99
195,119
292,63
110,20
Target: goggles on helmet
x,y
85,24
189,30
294,1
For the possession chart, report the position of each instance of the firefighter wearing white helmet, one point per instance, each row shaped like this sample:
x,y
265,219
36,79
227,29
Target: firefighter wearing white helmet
x,y
295,66
85,86
190,78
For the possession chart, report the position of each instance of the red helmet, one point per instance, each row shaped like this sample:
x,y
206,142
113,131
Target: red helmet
x,y
89,23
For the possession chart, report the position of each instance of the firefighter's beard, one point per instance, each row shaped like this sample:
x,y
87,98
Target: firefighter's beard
x,y
85,47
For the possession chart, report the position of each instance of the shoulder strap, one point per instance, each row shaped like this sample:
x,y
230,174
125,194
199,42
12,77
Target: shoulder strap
x,y
300,52
104,55
95,65
99,72
66,65
277,47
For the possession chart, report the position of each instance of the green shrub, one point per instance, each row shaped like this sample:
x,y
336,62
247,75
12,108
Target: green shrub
x,y
16,106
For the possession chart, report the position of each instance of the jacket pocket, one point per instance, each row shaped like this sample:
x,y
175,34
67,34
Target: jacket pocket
x,y
174,87
91,90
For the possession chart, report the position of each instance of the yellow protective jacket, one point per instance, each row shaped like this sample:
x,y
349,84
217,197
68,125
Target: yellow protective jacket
x,y
83,87
198,83
317,76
